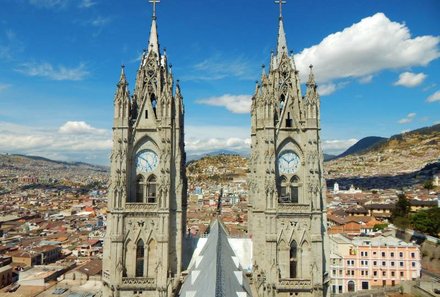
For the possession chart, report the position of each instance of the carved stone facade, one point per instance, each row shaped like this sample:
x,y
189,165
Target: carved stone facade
x,y
287,220
147,196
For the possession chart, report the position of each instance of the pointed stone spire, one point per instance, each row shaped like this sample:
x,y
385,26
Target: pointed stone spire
x,y
153,42
311,81
122,78
282,43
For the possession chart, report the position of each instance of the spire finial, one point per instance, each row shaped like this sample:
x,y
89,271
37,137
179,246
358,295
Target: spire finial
x,y
154,7
281,2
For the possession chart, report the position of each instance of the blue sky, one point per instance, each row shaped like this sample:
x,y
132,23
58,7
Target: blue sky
x,y
377,65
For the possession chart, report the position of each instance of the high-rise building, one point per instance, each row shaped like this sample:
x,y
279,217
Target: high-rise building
x,y
147,196
287,220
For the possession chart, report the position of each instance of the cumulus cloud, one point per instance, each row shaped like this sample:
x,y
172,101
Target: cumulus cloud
x,y
409,79
408,119
80,127
200,146
327,89
374,44
434,97
233,103
337,146
46,70
52,143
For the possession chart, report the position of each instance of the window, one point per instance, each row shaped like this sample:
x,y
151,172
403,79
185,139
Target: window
x,y
284,196
384,263
288,121
362,254
392,273
351,286
392,254
146,114
375,263
413,255
402,274
340,289
364,285
140,258
392,263
401,254
413,264
140,184
383,254
293,260
384,273
294,190
151,189
366,254
401,264
374,273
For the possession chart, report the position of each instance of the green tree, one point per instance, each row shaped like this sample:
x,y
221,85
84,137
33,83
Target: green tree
x,y
428,184
427,221
402,207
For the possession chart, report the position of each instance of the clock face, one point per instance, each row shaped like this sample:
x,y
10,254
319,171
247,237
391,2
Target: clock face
x,y
288,162
146,161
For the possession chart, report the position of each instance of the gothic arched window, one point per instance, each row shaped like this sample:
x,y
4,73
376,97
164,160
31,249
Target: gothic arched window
x,y
140,185
294,190
284,190
293,259
151,189
153,103
140,254
152,259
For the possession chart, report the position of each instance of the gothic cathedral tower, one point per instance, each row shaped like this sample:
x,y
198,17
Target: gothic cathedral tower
x,y
147,196
287,220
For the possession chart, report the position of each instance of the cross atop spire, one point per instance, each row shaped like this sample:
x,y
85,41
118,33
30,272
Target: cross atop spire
x,y
281,2
154,7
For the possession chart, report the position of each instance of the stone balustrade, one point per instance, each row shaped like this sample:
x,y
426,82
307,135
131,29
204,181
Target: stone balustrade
x,y
138,282
293,208
293,284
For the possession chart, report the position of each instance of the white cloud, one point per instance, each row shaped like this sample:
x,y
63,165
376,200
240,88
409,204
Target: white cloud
x,y
374,44
218,67
327,89
52,143
87,4
233,103
9,45
4,87
54,73
434,97
100,21
408,119
49,3
366,79
409,79
200,146
337,146
79,127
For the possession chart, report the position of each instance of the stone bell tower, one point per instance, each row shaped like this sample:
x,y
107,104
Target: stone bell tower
x,y
147,196
287,220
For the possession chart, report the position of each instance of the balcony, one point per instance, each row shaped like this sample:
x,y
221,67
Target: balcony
x,y
132,283
141,207
287,208
293,284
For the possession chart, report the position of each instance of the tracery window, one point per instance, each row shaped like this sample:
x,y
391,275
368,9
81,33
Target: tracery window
x,y
140,254
293,259
140,185
151,189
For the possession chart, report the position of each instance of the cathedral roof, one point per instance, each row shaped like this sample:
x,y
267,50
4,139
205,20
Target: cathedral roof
x,y
216,270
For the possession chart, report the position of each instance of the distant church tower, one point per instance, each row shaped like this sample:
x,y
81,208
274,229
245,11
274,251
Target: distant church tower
x,y
287,220
147,196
